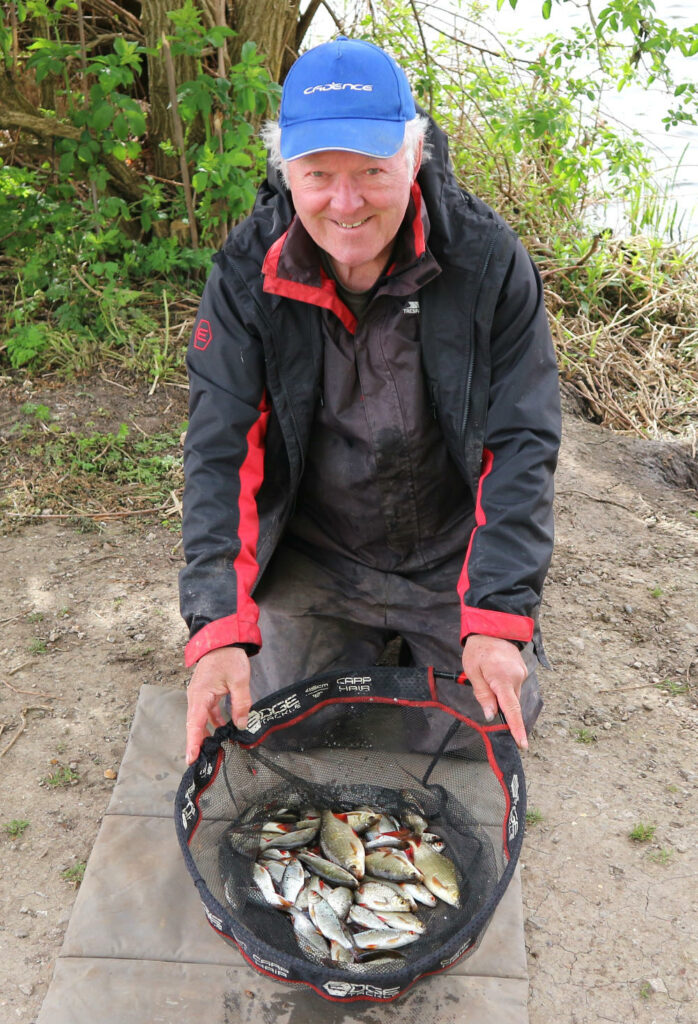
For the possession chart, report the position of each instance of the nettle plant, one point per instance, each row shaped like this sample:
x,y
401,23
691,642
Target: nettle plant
x,y
113,120
92,209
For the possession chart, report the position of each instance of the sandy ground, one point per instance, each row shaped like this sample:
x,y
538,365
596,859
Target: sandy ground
x,y
611,924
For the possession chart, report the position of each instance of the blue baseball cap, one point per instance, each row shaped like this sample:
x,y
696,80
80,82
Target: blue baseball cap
x,y
346,94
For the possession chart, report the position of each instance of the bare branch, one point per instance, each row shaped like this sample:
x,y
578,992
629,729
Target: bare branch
x,y
305,20
179,139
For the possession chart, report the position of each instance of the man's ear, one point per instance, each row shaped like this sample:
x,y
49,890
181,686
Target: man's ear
x,y
417,160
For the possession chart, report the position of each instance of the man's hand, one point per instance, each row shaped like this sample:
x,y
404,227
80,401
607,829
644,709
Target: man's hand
x,y
219,673
496,671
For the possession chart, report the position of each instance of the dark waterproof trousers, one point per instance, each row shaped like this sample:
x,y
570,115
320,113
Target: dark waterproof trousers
x,y
326,613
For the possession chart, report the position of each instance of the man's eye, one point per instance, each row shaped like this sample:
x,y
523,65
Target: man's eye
x,y
373,170
317,174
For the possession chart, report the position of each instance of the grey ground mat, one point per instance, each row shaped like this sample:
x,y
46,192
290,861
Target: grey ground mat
x,y
138,948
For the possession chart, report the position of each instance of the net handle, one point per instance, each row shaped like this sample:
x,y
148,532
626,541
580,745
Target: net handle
x,y
462,680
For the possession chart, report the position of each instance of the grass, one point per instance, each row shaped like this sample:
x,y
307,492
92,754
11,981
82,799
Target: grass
x,y
15,828
75,874
662,856
37,646
63,776
672,687
656,592
643,832
533,816
81,475
41,413
585,736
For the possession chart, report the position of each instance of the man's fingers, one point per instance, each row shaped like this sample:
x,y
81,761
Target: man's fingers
x,y
483,694
197,719
240,702
511,709
216,716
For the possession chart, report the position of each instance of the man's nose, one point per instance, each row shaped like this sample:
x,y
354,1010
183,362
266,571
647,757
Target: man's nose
x,y
346,197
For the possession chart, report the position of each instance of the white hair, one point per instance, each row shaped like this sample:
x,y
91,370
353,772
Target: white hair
x,y
415,132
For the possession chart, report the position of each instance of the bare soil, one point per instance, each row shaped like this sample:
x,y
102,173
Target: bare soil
x,y
89,613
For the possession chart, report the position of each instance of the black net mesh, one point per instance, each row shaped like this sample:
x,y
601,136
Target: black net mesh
x,y
390,739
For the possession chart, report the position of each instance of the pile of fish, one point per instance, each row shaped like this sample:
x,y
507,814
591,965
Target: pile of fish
x,y
351,881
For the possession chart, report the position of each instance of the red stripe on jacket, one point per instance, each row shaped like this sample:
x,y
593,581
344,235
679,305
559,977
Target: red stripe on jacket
x,y
483,620
241,627
324,296
420,244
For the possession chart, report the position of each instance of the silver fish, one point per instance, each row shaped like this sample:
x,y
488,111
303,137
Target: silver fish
x,y
393,864
285,814
292,881
340,899
401,922
326,921
416,822
311,942
277,870
376,896
398,887
384,939
288,840
419,893
312,884
392,839
436,842
340,843
439,873
276,854
370,959
231,893
264,883
278,827
365,918
311,822
327,869
360,819
340,954
384,824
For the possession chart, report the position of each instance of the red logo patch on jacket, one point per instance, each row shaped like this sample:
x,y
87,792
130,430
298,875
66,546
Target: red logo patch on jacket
x,y
202,335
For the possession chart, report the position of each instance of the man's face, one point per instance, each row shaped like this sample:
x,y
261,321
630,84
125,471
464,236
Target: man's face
x,y
352,206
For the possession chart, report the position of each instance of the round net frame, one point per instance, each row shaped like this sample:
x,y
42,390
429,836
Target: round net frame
x,y
383,737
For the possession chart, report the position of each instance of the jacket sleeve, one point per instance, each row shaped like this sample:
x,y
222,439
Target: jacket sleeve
x,y
223,468
511,545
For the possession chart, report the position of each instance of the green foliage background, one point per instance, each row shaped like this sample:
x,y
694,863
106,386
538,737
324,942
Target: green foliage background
x,y
101,262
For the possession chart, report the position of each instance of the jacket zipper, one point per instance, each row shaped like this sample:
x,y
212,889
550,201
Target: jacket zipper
x,y
471,354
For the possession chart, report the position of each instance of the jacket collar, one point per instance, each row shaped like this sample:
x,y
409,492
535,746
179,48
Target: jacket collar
x,y
292,267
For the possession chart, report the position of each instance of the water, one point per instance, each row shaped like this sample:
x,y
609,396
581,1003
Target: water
x,y
674,152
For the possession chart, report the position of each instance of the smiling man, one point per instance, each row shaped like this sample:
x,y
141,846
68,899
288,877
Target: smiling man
x,y
374,414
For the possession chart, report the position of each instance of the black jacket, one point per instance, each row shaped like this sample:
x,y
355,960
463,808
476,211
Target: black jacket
x,y
255,370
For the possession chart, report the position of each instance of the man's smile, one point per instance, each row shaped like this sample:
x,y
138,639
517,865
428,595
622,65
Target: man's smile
x,y
356,224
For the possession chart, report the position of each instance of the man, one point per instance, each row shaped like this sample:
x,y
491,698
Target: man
x,y
374,414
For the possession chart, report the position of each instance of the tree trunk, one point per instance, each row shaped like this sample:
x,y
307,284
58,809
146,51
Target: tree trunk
x,y
272,25
160,128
